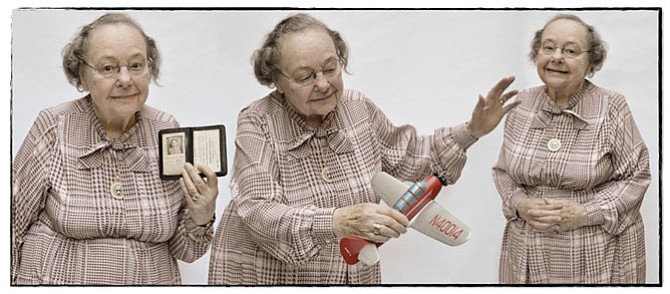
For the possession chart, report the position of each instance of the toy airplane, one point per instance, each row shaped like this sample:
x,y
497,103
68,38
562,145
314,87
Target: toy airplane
x,y
416,203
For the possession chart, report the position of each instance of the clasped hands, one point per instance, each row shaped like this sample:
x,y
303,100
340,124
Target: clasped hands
x,y
200,193
550,215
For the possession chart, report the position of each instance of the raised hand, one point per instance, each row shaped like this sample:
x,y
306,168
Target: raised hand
x,y
489,111
200,193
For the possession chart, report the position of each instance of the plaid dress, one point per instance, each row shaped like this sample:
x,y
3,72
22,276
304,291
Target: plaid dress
x,y
602,164
67,228
277,229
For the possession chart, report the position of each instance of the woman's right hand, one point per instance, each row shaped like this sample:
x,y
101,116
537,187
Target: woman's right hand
x,y
360,220
490,111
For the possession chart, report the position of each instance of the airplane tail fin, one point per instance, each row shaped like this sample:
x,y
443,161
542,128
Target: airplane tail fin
x,y
354,250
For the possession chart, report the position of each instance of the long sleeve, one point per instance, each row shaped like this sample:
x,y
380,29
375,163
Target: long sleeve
x,y
510,192
30,173
289,233
410,156
189,242
288,179
602,164
616,205
62,207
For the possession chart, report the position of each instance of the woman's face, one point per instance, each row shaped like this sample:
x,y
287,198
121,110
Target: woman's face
x,y
118,97
311,75
561,74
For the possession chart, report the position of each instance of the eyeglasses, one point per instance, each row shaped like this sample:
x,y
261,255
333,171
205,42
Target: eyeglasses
x,y
306,77
110,70
569,51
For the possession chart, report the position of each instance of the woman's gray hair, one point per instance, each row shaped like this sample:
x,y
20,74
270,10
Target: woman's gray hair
x,y
75,52
266,58
597,47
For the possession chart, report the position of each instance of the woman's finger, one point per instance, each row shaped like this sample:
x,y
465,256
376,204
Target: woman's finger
x,y
190,198
212,179
188,182
379,233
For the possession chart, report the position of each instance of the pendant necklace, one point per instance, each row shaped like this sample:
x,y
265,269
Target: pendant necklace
x,y
325,170
116,187
554,144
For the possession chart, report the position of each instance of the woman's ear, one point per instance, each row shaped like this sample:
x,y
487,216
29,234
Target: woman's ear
x,y
278,85
82,80
589,70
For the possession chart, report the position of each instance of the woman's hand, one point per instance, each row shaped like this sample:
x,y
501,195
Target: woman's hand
x,y
488,112
200,194
553,215
369,221
539,213
573,215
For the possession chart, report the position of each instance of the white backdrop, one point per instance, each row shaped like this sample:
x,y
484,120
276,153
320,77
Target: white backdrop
x,y
423,67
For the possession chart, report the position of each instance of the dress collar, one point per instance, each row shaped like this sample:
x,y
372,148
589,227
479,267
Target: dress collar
x,y
134,156
330,129
549,108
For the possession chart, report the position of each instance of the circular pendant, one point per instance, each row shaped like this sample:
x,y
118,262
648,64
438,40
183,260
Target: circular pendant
x,y
324,175
116,190
554,145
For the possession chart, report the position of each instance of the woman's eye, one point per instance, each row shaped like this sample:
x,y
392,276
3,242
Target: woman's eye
x,y
109,68
137,66
303,78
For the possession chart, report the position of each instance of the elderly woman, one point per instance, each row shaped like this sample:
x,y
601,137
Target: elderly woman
x,y
305,156
572,171
88,206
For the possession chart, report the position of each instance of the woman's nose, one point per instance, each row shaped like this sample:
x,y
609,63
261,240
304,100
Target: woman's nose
x,y
123,77
557,56
321,81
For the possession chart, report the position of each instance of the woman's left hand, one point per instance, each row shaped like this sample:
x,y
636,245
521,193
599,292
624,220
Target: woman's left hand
x,y
200,193
489,111
573,215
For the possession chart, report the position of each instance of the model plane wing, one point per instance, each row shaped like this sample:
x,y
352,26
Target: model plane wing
x,y
426,215
417,203
436,222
